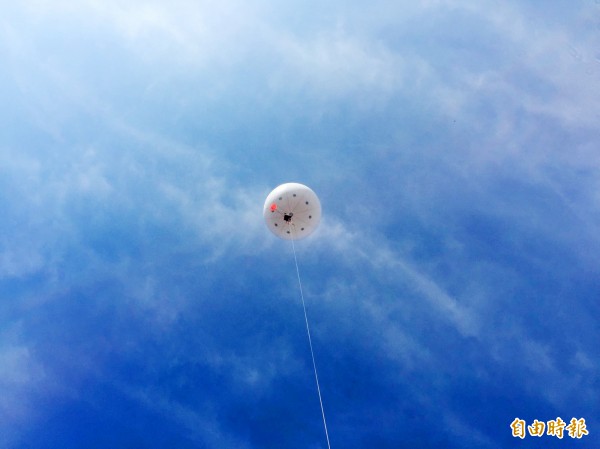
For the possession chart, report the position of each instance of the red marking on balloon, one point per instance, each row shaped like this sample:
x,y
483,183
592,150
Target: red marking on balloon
x,y
273,207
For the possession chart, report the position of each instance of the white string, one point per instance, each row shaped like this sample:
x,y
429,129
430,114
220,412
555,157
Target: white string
x,y
312,355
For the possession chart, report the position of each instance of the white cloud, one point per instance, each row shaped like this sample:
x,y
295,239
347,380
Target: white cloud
x,y
337,64
22,381
390,267
195,33
200,426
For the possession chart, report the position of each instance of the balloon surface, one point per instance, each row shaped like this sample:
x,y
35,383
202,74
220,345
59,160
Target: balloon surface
x,y
292,211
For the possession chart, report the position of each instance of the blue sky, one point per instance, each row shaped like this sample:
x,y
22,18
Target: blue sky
x,y
452,285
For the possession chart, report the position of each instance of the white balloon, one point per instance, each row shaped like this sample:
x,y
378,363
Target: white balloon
x,y
292,211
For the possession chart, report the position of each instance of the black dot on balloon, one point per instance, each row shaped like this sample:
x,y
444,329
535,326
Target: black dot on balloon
x,y
275,224
288,232
307,202
302,229
280,198
294,194
310,216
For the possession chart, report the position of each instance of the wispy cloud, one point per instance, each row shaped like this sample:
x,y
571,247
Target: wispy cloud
x,y
23,381
202,427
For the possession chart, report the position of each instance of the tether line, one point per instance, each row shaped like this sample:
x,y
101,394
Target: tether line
x,y
312,354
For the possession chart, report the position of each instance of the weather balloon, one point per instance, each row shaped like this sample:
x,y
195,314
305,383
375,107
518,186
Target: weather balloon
x,y
292,211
